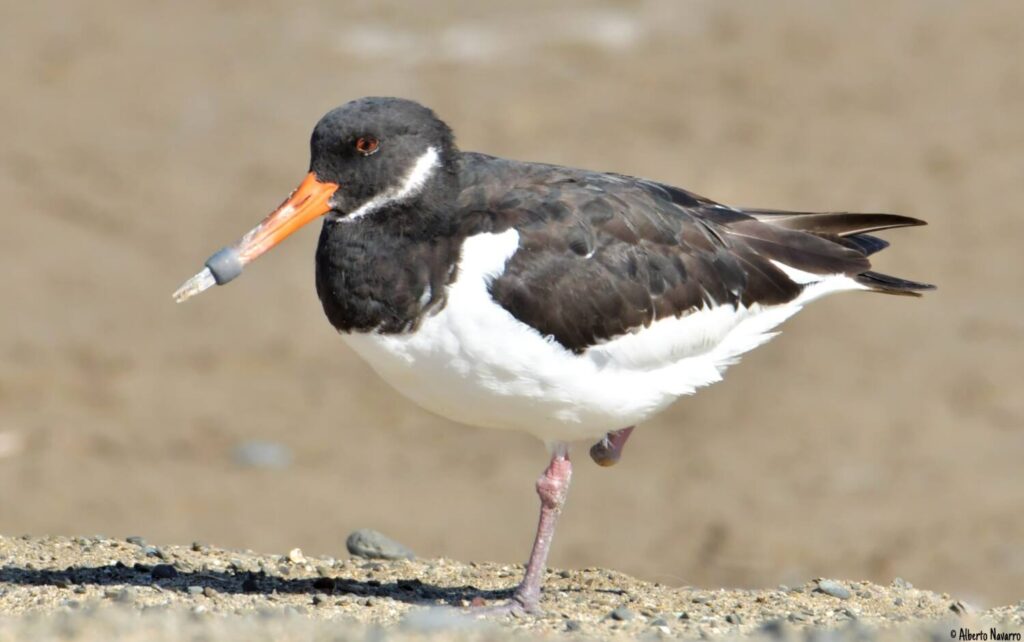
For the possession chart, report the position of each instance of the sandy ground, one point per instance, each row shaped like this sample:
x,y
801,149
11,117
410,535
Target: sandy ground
x,y
90,588
878,437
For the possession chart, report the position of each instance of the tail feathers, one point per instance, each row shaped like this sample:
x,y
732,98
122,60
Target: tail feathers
x,y
851,229
865,243
846,224
878,282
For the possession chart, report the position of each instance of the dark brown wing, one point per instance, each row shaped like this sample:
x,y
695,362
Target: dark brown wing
x,y
601,255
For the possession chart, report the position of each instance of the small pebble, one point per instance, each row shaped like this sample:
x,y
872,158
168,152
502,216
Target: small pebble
x,y
834,588
124,596
370,544
135,539
195,590
622,614
209,591
295,556
572,625
262,454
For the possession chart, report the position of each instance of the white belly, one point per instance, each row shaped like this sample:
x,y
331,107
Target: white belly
x,y
475,363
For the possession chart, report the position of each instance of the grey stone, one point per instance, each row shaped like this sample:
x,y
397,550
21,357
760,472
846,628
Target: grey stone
x,y
438,619
621,614
370,544
834,588
262,454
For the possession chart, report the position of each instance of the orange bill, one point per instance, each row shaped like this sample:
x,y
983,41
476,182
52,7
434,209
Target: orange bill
x,y
309,201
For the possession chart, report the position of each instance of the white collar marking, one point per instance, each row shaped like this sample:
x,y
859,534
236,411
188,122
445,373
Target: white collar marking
x,y
410,186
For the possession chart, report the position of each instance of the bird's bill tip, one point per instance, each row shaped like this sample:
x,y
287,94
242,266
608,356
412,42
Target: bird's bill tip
x,y
197,284
310,200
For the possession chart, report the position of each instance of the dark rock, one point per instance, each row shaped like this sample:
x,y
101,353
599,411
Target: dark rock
x,y
135,539
774,629
572,625
164,572
621,614
373,545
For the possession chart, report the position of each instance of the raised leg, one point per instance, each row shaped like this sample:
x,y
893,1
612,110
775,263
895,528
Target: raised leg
x,y
607,451
552,488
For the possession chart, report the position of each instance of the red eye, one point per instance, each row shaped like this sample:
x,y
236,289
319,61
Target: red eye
x,y
367,145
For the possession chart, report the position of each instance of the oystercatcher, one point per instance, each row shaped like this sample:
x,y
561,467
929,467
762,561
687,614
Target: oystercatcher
x,y
568,303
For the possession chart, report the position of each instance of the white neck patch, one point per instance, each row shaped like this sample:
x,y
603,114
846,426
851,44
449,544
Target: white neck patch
x,y
411,185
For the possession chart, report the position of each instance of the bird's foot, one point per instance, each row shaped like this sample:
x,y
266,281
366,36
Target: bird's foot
x,y
516,607
608,451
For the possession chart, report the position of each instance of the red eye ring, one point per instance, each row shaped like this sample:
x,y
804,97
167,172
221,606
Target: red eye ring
x,y
367,145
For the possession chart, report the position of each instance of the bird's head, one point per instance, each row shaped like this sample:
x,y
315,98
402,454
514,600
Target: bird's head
x,y
366,157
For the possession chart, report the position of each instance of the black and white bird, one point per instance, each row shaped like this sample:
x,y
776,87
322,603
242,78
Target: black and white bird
x,y
567,303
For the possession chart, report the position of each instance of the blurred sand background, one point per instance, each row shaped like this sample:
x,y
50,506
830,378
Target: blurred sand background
x,y
877,437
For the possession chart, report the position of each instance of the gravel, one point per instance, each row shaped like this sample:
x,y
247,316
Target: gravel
x,y
93,589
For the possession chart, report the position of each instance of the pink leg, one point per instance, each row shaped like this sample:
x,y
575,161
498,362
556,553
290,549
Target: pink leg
x,y
607,451
552,487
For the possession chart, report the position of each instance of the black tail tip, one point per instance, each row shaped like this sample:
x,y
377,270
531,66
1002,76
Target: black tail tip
x,y
879,282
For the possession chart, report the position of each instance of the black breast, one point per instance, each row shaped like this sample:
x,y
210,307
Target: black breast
x,y
369,278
